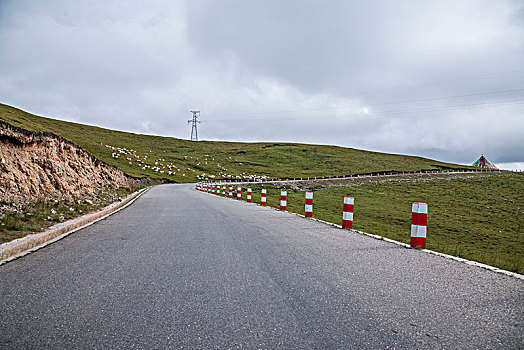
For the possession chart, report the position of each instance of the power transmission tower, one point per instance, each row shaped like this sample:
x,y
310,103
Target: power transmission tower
x,y
194,121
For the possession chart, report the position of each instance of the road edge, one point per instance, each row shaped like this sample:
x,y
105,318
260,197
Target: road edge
x,y
405,245
443,255
22,246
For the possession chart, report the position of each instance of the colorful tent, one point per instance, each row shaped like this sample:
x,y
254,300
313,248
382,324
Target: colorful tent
x,y
483,162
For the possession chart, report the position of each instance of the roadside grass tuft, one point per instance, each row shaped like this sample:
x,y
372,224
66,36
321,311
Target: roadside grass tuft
x,y
36,217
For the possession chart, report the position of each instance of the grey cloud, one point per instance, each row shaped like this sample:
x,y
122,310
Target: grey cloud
x,y
354,46
404,77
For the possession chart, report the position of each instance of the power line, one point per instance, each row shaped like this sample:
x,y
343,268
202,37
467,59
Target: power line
x,y
474,77
485,76
379,104
450,97
391,112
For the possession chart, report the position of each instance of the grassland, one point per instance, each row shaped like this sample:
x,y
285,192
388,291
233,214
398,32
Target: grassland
x,y
188,161
478,217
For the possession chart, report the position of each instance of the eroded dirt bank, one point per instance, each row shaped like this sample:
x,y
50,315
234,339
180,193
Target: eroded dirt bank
x,y
45,179
45,166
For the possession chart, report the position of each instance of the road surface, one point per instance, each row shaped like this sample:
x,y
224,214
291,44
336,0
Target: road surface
x,y
189,270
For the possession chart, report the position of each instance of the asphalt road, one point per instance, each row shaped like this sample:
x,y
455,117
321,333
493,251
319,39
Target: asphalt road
x,y
189,270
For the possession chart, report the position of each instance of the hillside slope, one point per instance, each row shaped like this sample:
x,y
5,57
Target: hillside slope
x,y
187,161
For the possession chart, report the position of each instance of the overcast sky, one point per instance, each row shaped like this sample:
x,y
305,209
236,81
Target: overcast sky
x,y
441,79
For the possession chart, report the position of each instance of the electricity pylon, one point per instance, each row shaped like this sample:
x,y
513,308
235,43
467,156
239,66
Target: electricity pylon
x,y
194,132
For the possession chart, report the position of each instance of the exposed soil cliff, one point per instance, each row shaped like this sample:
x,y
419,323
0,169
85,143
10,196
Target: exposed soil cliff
x,y
43,166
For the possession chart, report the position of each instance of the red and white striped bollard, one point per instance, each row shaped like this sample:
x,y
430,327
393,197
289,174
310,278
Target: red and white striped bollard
x,y
239,193
309,204
419,225
231,192
347,212
249,192
263,197
283,200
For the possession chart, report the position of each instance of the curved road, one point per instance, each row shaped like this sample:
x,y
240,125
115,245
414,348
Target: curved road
x,y
189,270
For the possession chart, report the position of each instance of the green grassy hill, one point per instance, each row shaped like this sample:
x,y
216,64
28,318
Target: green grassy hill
x,y
189,161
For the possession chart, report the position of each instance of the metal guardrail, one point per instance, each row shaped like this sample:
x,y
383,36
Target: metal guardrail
x,y
363,175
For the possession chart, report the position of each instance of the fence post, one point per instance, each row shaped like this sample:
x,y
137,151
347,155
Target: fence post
x,y
309,204
419,223
347,212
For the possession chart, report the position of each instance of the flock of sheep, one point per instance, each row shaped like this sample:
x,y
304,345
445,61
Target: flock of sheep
x,y
168,168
